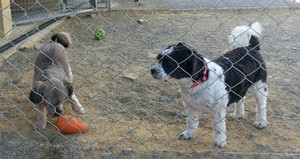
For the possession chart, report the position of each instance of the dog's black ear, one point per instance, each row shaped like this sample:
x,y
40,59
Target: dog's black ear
x,y
197,65
180,43
69,86
36,94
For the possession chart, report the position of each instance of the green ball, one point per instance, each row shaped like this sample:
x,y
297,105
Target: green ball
x,y
99,33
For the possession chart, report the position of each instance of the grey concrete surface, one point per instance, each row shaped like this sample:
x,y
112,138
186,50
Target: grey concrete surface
x,y
208,4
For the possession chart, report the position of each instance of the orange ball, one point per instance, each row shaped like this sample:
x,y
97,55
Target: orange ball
x,y
69,125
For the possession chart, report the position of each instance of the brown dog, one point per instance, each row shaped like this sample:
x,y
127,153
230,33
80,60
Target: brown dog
x,y
52,80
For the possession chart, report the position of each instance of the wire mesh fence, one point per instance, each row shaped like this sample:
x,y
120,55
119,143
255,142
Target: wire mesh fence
x,y
131,115
24,11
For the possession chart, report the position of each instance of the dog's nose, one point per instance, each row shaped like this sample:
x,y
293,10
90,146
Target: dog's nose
x,y
153,70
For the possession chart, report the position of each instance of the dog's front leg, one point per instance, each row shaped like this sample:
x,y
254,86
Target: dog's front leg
x,y
41,116
219,125
191,121
76,106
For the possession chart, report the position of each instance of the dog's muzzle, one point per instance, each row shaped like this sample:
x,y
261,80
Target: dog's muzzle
x,y
158,74
154,73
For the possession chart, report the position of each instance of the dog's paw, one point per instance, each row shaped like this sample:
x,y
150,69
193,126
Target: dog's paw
x,y
220,144
261,124
39,126
79,110
220,139
184,136
236,116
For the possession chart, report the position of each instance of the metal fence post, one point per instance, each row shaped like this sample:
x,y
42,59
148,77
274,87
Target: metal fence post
x,y
94,4
108,4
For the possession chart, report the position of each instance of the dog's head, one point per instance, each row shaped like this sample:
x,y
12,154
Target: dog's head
x,y
51,93
178,62
63,38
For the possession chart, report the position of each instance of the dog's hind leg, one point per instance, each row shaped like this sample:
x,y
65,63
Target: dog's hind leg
x,y
191,121
219,125
260,90
76,106
41,116
69,73
239,109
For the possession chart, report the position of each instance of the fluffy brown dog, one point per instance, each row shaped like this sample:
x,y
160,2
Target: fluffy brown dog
x,y
52,80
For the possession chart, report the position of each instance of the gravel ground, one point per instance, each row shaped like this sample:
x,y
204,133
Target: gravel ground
x,y
205,4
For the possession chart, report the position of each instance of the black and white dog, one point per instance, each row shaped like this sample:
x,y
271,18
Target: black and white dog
x,y
213,85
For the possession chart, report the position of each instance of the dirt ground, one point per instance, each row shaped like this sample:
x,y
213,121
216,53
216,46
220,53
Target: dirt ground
x,y
131,115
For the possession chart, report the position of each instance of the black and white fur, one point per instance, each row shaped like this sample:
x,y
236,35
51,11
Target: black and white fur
x,y
227,80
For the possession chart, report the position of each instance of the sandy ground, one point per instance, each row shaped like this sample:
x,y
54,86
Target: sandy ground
x,y
131,115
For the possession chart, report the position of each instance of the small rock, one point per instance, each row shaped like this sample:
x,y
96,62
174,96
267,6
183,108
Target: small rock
x,y
153,56
140,21
130,76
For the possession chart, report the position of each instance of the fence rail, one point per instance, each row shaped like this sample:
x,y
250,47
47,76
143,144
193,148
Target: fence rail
x,y
128,113
31,10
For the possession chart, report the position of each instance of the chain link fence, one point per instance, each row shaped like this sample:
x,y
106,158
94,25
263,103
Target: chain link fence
x,y
24,11
131,115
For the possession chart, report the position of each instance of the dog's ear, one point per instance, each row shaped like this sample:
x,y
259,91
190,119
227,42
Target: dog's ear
x,y
36,94
197,65
69,86
62,38
180,43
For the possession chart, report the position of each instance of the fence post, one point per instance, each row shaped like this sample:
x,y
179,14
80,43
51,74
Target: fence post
x,y
5,19
94,4
108,4
294,3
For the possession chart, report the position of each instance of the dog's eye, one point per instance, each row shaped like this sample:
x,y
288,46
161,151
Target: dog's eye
x,y
167,63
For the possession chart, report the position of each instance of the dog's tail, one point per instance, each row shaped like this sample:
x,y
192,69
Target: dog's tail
x,y
244,36
63,38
